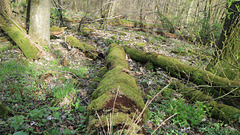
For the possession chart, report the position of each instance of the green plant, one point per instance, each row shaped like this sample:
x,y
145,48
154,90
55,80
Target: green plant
x,y
16,121
60,92
56,14
109,41
187,115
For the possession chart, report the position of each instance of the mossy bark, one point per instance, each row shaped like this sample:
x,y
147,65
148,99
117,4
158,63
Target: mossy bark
x,y
19,37
87,49
228,61
117,101
224,112
180,70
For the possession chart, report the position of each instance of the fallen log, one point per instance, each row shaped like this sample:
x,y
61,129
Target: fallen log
x,y
223,112
19,37
117,105
89,50
179,70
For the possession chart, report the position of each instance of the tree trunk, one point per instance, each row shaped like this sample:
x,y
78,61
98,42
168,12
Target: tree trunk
x,y
5,7
224,112
117,106
89,50
228,62
39,28
179,70
19,36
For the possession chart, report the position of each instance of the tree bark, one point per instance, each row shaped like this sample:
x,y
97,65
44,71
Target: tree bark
x,y
39,28
227,62
117,105
19,36
5,8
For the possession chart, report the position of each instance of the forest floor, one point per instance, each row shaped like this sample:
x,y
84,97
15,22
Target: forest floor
x,y
55,92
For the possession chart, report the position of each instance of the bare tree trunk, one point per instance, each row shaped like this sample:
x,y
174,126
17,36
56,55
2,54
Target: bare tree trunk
x,y
39,28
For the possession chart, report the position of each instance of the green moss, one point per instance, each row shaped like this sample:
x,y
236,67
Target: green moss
x,y
116,56
116,119
140,44
178,69
88,49
96,79
99,103
122,34
227,113
102,71
118,79
219,111
149,66
54,30
86,31
191,93
20,38
114,37
74,42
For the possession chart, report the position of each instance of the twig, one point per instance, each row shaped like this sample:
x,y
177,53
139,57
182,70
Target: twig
x,y
163,122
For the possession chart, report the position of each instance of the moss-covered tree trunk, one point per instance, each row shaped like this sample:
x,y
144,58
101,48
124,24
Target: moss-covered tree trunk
x,y
39,28
227,63
18,35
194,74
117,105
223,112
89,50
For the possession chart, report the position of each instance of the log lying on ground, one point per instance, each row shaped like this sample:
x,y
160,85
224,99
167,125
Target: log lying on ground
x,y
117,101
87,49
19,37
179,70
223,112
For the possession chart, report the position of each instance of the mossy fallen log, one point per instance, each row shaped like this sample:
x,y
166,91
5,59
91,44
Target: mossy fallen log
x,y
54,30
89,50
117,102
223,112
19,37
179,70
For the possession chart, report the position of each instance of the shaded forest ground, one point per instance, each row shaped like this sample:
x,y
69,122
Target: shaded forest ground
x,y
54,92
